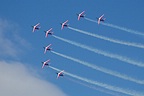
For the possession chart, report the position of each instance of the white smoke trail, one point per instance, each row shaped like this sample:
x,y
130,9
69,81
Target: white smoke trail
x,y
91,20
109,39
94,87
110,55
109,87
104,70
118,27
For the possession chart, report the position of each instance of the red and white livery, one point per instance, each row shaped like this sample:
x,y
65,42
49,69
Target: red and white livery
x,y
48,32
64,24
36,27
81,15
45,63
47,48
60,74
101,19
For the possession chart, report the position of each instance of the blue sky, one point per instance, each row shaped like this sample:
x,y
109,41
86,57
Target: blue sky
x,y
25,48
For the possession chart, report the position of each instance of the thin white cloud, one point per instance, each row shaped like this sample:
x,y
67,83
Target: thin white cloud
x,y
10,41
16,80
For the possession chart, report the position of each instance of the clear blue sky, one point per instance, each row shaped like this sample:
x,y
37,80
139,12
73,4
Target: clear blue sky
x,y
27,48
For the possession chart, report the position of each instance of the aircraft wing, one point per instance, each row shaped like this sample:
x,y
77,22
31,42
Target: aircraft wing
x,y
43,65
49,45
62,26
47,61
46,34
50,30
82,13
37,24
65,22
101,17
98,21
33,29
58,76
45,50
79,17
61,72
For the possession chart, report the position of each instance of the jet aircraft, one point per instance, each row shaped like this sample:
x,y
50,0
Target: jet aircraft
x,y
47,48
101,19
81,15
48,32
64,24
45,63
60,74
36,27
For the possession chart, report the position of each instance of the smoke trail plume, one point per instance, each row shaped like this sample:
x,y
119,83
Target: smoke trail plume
x,y
101,69
106,54
109,39
118,27
109,87
94,87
